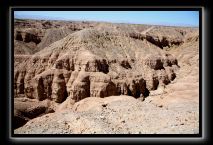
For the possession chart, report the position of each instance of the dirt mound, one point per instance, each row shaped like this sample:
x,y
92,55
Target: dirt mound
x,y
115,115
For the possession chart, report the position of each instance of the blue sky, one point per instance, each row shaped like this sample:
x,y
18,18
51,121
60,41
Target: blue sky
x,y
172,18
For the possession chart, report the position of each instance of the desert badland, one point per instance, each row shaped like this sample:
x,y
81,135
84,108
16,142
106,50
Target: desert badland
x,y
82,77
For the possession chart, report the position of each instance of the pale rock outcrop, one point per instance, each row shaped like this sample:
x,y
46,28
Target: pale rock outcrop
x,y
136,87
101,85
163,77
171,73
169,60
121,87
151,78
20,75
51,84
80,87
91,63
59,92
154,62
53,58
65,63
28,84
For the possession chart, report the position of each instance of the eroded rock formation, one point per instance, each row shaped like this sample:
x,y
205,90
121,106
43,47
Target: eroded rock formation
x,y
74,67
79,65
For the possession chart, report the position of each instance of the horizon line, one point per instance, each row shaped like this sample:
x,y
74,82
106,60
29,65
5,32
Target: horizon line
x,y
61,19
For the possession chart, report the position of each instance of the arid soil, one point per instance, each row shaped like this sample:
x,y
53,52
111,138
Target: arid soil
x,y
105,78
